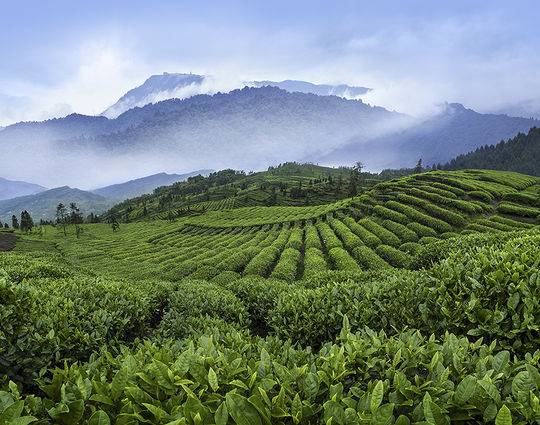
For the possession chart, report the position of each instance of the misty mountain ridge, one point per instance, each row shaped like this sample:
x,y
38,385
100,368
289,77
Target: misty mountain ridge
x,y
13,188
341,90
454,130
144,185
247,128
157,88
180,86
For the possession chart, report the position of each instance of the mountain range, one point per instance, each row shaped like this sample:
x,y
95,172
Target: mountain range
x,y
41,203
247,128
12,188
454,130
140,186
341,90
180,86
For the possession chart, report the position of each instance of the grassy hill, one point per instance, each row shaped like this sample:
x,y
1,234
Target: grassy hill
x,y
290,184
414,302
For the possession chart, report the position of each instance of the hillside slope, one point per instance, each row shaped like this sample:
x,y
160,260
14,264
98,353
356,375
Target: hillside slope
x,y
386,226
522,154
291,184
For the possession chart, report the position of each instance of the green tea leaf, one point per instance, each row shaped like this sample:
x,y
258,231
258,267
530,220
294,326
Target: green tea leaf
x,y
504,417
376,396
99,417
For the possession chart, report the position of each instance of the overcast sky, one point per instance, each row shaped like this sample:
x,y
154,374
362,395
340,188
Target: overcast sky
x,y
57,57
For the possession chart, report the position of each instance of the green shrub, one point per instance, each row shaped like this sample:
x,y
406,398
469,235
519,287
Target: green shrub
x,y
415,215
421,230
287,266
481,195
512,209
404,233
193,299
383,234
411,248
406,378
259,295
342,260
390,214
365,235
329,238
368,259
444,214
314,262
312,237
348,238
393,256
523,198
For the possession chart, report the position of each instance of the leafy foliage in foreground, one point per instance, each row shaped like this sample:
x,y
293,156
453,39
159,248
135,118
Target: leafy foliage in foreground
x,y
223,373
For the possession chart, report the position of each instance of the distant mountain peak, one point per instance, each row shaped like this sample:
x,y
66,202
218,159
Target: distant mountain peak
x,y
156,88
340,90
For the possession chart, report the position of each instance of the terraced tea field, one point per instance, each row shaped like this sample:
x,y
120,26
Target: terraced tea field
x,y
385,227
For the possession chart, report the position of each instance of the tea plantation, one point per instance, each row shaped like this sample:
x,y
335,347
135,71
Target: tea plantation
x,y
415,302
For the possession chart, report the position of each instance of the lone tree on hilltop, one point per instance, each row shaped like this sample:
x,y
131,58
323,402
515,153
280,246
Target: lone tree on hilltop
x,y
418,168
26,221
75,218
113,222
61,216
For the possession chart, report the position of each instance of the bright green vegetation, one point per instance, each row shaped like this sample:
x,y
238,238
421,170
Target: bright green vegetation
x,y
416,302
289,184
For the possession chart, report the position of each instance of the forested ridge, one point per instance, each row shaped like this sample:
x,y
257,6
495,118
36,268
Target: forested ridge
x,y
521,154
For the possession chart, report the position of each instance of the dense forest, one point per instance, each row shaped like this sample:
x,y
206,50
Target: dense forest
x,y
521,154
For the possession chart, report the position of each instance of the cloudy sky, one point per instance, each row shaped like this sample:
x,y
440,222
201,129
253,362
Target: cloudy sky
x,y
57,57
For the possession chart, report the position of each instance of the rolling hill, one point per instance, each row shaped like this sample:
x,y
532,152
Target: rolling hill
x,y
522,154
143,185
43,204
218,316
292,184
12,188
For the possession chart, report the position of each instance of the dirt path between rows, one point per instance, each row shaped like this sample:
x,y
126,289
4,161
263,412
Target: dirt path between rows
x,y
7,241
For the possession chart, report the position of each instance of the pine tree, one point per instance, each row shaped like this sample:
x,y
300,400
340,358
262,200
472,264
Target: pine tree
x,y
14,222
26,222
61,216
418,168
75,218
